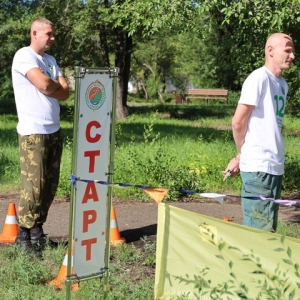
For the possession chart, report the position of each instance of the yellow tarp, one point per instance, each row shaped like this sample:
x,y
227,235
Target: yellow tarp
x,y
195,250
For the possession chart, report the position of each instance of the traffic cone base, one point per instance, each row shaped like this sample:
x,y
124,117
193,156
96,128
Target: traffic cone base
x,y
60,280
118,242
10,228
115,237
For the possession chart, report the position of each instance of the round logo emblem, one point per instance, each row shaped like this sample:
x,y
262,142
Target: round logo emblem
x,y
95,95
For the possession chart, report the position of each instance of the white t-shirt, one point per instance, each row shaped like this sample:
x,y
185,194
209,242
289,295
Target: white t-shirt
x,y
263,149
37,113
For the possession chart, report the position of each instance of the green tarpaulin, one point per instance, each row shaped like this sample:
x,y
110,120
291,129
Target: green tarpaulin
x,y
198,257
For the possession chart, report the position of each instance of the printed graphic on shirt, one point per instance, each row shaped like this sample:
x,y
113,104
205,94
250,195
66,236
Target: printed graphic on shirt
x,y
50,66
95,95
280,107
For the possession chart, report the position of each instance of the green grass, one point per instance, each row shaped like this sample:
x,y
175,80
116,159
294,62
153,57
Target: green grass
x,y
289,229
26,278
172,146
178,147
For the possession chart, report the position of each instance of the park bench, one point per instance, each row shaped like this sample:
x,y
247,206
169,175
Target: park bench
x,y
207,94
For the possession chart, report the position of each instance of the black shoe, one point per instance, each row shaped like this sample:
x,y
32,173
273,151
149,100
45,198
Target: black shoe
x,y
40,240
43,242
24,242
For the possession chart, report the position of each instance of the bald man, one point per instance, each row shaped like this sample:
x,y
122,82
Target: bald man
x,y
38,86
256,127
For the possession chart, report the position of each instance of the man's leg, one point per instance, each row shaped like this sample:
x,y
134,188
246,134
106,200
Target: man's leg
x,y
31,162
259,213
53,144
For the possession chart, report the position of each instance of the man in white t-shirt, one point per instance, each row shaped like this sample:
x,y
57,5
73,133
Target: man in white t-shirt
x,y
38,86
256,127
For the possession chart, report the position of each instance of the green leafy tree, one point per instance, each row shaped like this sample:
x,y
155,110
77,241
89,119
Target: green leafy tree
x,y
243,27
14,34
153,58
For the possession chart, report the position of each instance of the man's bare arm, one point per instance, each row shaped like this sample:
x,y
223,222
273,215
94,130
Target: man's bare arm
x,y
63,91
42,82
240,124
239,129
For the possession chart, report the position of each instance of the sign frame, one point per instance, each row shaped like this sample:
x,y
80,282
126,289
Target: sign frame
x,y
80,73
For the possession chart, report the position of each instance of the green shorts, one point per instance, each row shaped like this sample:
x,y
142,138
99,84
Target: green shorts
x,y
260,214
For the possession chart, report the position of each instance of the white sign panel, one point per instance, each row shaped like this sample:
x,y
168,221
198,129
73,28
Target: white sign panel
x,y
93,132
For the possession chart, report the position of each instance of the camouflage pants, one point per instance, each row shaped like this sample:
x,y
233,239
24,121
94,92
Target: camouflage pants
x,y
40,156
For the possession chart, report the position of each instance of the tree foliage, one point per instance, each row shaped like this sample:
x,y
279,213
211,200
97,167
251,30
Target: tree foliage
x,y
91,32
208,43
245,26
150,16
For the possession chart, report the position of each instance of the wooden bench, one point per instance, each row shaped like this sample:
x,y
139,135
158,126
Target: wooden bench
x,y
207,94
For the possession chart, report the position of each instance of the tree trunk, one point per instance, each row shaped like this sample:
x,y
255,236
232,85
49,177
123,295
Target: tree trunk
x,y
127,64
145,92
160,97
104,42
104,46
122,110
121,61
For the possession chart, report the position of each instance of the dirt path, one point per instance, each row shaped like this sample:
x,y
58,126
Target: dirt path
x,y
137,219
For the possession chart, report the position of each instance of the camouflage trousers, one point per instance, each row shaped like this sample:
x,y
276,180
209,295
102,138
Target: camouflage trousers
x,y
40,157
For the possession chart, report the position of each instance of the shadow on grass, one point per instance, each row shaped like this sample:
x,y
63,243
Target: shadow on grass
x,y
67,113
8,115
179,112
133,235
136,129
8,107
186,112
10,136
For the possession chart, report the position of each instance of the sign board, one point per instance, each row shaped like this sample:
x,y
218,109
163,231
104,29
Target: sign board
x,y
92,130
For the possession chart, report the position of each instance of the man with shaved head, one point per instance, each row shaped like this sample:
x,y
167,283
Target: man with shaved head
x,y
256,127
38,86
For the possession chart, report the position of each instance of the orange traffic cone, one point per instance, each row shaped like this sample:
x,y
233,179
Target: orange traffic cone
x,y
62,275
115,237
10,229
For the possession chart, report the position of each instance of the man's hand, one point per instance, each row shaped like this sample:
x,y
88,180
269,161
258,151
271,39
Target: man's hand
x,y
63,91
232,169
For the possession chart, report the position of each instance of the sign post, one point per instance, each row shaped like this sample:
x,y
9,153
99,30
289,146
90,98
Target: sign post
x,y
92,161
